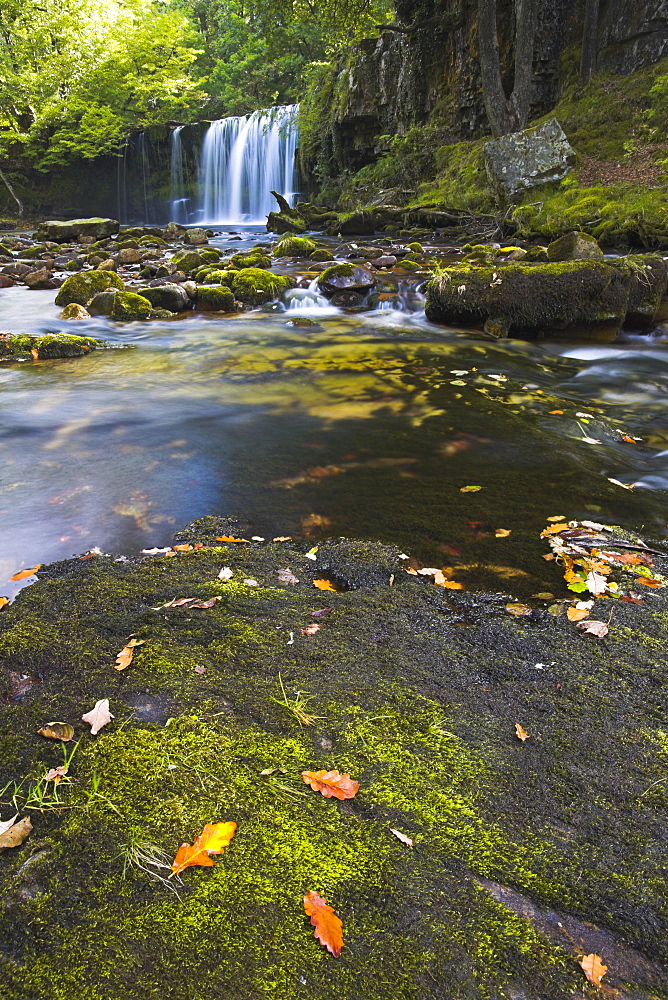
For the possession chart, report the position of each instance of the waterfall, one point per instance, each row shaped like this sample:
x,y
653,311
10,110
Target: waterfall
x,y
243,160
177,188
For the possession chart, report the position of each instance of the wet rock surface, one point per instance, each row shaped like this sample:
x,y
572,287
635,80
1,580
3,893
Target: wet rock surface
x,y
415,691
520,161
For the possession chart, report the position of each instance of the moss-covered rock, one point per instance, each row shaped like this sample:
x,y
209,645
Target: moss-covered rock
x,y
579,296
75,311
209,276
82,287
413,690
51,345
254,286
190,261
648,278
65,232
31,252
321,255
169,296
294,246
130,306
215,298
574,246
254,259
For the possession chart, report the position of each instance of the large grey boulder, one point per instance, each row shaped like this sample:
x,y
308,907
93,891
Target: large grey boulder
x,y
520,161
65,232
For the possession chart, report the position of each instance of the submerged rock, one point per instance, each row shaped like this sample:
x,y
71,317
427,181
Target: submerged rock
x,y
517,162
74,229
75,311
413,690
345,277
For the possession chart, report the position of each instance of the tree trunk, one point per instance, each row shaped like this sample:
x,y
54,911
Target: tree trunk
x,y
506,114
11,191
589,32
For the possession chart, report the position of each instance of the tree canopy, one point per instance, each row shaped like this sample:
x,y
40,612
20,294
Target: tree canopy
x,y
77,76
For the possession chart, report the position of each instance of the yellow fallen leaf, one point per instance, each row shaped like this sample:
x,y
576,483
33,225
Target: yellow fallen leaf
x,y
520,732
518,610
593,968
57,731
554,529
124,658
502,532
324,585
470,489
556,517
4,601
577,614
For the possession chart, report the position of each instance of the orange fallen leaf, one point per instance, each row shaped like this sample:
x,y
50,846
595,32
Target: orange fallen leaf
x,y
328,927
521,732
518,610
213,838
57,731
12,834
332,784
502,532
452,585
231,539
324,585
183,548
206,604
554,412
593,968
25,573
577,614
35,353
4,601
626,437
649,582
554,529
124,658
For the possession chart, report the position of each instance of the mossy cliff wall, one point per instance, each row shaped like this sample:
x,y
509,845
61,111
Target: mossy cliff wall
x,y
428,74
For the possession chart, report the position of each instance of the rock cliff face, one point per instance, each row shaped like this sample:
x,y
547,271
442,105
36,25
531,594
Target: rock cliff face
x,y
429,71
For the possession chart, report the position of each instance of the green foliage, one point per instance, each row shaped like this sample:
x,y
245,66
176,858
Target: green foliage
x,y
76,77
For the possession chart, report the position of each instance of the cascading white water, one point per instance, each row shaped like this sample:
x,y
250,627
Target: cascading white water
x,y
178,200
243,160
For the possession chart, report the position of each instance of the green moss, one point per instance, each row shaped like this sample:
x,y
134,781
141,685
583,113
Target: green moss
x,y
417,699
82,287
215,298
321,255
415,247
621,213
254,259
31,252
216,277
130,306
294,246
338,271
253,286
54,345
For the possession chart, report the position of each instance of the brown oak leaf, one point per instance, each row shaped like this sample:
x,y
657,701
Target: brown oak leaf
x,y
12,834
593,968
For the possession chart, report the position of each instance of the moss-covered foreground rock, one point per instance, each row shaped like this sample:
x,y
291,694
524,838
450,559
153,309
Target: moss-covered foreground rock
x,y
416,692
29,347
578,297
83,287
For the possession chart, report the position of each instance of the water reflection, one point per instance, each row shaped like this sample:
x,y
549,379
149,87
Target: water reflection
x,y
364,424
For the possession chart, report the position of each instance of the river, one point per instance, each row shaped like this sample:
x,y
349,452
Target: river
x,y
367,424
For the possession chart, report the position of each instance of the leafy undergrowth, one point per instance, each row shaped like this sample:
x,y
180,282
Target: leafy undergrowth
x,y
415,693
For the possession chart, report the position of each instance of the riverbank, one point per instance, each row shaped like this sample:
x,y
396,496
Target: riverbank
x,y
415,690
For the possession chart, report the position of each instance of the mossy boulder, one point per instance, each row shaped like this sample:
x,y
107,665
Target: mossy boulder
x,y
129,306
294,246
50,345
190,261
254,286
415,691
587,297
574,246
66,232
254,259
82,287
215,298
214,276
168,296
31,252
648,278
321,255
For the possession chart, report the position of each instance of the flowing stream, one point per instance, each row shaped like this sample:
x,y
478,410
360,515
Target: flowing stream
x,y
306,420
